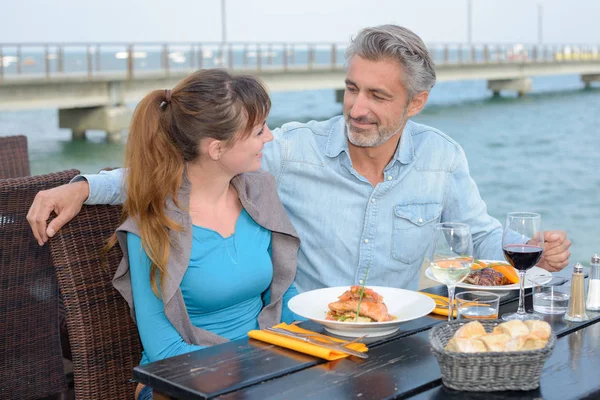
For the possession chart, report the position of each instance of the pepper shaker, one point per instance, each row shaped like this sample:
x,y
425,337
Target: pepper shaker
x,y
593,297
576,312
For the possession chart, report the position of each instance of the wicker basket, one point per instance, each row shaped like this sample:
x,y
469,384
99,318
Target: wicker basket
x,y
487,372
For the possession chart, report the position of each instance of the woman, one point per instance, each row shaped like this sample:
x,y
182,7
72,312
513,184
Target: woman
x,y
208,250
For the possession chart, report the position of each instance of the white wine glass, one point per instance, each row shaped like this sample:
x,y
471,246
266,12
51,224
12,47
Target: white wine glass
x,y
451,256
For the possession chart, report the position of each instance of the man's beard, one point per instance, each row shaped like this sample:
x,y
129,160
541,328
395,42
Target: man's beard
x,y
363,138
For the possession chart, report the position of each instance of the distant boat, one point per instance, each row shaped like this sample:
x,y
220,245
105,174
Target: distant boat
x,y
254,54
177,57
29,62
124,55
7,60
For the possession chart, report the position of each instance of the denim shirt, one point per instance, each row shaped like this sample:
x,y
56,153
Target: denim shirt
x,y
344,223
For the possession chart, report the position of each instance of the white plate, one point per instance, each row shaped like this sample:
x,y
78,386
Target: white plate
x,y
403,304
529,275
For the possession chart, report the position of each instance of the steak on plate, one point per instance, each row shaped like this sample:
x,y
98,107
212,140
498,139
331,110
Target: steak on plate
x,y
486,277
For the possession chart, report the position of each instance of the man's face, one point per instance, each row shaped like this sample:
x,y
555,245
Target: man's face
x,y
375,101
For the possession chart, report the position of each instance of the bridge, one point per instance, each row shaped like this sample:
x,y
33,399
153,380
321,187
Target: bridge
x,y
91,84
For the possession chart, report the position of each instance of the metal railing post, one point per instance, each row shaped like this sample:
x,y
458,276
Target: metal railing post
x,y
165,58
284,57
460,54
333,56
130,62
269,54
230,57
60,66
200,56
1,64
192,55
258,58
98,56
47,61
310,57
486,54
473,55
89,61
19,60
446,54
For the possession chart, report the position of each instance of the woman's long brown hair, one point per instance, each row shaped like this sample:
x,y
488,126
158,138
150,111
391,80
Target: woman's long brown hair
x,y
163,136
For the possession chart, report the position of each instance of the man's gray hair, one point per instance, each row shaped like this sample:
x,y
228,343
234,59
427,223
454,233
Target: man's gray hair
x,y
401,45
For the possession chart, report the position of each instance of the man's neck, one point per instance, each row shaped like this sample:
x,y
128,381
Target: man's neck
x,y
371,161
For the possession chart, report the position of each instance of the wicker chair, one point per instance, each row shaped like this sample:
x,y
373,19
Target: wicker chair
x,y
14,161
31,363
104,339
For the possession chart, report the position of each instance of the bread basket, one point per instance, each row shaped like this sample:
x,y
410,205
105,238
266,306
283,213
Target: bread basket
x,y
490,371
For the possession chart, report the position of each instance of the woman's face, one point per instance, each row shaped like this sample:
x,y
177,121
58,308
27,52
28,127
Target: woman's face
x,y
246,153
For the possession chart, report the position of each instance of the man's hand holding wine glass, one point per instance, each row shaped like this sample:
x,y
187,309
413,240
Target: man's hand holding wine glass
x,y
556,251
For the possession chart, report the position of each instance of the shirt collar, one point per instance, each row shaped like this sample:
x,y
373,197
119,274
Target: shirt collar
x,y
338,142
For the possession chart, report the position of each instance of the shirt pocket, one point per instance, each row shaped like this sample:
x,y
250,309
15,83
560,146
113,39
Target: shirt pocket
x,y
412,230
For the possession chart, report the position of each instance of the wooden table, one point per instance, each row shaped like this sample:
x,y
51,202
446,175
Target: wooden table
x,y
399,366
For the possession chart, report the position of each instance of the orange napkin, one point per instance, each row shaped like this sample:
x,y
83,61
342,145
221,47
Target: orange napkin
x,y
303,347
440,310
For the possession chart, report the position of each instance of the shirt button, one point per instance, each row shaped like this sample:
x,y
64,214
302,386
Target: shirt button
x,y
366,240
390,178
420,219
372,200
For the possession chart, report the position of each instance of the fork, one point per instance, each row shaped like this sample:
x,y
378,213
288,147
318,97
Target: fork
x,y
317,336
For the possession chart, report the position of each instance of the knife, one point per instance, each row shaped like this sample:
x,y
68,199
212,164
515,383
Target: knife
x,y
337,347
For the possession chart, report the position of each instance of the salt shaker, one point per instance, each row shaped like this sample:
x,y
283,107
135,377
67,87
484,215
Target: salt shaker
x,y
576,312
593,295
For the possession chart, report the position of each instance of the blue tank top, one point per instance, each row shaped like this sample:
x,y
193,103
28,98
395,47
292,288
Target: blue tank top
x,y
222,287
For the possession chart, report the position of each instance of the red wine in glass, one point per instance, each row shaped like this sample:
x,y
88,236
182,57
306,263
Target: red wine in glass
x,y
522,256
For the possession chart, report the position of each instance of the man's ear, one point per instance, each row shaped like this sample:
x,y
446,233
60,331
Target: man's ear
x,y
215,149
417,103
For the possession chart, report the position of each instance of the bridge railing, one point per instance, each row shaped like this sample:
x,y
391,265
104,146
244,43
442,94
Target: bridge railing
x,y
131,60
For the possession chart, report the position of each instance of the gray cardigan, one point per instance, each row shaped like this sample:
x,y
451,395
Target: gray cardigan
x,y
258,195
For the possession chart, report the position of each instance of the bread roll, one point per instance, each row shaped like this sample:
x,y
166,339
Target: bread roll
x,y
470,331
533,342
540,329
515,344
465,345
495,341
512,328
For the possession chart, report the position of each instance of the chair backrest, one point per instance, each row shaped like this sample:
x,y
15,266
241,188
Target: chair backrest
x,y
14,161
104,340
30,350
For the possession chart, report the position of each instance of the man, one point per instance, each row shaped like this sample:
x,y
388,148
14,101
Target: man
x,y
364,189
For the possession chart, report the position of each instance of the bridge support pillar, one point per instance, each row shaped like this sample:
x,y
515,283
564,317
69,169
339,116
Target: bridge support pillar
x,y
339,96
113,120
520,85
589,78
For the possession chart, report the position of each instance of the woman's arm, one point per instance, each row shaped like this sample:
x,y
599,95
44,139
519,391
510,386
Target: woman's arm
x,y
159,338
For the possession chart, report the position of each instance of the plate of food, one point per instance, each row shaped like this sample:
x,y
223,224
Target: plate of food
x,y
495,275
381,309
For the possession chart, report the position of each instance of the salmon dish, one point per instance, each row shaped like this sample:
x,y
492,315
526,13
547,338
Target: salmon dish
x,y
372,307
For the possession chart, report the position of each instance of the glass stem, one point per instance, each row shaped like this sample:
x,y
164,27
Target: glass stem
x,y
451,302
521,309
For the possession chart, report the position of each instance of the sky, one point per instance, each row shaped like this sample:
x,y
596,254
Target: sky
x,y
326,21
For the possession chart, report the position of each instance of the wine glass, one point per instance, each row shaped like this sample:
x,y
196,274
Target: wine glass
x,y
451,256
523,244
